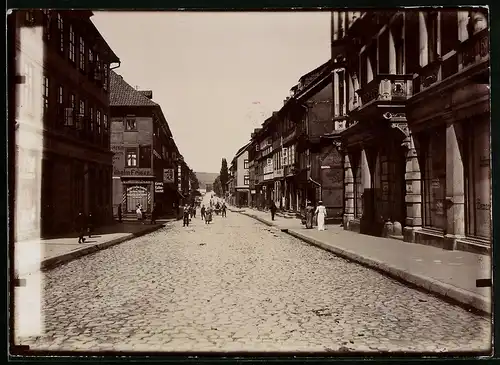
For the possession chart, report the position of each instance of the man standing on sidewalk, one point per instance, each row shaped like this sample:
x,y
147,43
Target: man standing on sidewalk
x,y
273,209
80,226
185,215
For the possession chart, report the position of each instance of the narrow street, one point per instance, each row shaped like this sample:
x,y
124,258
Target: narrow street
x,y
236,284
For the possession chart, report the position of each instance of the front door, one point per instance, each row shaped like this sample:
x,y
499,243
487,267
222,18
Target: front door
x,y
135,195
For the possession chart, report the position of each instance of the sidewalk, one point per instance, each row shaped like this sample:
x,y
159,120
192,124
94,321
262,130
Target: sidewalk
x,y
45,254
448,274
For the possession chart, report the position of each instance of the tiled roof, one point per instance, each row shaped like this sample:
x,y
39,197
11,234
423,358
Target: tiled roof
x,y
122,94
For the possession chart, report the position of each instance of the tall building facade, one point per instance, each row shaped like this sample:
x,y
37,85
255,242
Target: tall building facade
x,y
62,134
147,165
417,150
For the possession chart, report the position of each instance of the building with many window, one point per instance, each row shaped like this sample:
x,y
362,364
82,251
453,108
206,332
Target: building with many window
x,y
417,152
147,165
239,183
62,132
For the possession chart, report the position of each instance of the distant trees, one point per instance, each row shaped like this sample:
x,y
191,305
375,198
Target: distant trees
x,y
218,187
224,176
195,184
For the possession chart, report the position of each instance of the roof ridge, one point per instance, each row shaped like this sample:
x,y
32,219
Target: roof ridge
x,y
123,94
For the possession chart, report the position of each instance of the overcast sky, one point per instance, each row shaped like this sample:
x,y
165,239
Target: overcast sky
x,y
216,75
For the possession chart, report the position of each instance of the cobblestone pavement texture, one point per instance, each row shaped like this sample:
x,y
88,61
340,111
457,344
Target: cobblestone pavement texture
x,y
238,285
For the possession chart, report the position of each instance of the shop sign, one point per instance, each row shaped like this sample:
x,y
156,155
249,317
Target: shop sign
x,y
168,176
158,187
132,171
325,167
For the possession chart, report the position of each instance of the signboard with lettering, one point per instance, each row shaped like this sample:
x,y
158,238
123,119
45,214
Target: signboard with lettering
x,y
168,176
158,187
132,171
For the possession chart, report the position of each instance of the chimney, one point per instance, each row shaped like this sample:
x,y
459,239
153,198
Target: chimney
x,y
147,93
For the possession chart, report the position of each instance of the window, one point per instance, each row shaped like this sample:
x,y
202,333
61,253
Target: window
x,y
70,111
60,27
145,156
91,56
105,76
245,164
130,124
71,48
45,94
434,156
246,180
81,114
91,118
105,122
81,54
131,157
60,95
478,180
98,121
46,24
97,68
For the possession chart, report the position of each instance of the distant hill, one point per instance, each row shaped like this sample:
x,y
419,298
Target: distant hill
x,y
206,178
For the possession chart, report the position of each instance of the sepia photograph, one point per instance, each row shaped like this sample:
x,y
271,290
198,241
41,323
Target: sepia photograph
x,y
274,182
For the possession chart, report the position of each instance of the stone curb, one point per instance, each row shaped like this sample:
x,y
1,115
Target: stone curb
x,y
53,262
452,293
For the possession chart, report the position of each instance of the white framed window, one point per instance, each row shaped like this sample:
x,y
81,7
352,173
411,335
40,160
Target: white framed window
x,y
71,48
81,54
91,118
245,164
98,121
60,28
246,180
60,95
131,157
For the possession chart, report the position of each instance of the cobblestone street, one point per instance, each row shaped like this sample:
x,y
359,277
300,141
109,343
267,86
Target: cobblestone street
x,y
234,285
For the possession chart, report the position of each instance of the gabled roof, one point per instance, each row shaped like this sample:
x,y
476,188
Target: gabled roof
x,y
122,94
240,151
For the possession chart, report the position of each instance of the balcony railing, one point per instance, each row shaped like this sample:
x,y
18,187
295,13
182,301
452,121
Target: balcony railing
x,y
387,87
474,49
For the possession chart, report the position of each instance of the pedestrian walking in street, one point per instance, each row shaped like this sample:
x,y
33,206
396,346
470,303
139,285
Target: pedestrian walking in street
x,y
194,210
203,212
90,224
224,208
185,215
273,209
119,213
154,214
80,226
208,215
321,216
309,215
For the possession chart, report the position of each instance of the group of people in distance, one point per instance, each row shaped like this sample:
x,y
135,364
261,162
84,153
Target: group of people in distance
x,y
206,212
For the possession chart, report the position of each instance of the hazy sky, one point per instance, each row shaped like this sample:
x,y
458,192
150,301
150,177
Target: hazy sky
x,y
216,75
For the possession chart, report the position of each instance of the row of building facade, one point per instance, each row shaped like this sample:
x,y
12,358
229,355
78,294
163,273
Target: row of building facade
x,y
392,133
69,145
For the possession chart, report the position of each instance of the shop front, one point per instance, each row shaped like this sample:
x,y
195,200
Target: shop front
x,y
451,128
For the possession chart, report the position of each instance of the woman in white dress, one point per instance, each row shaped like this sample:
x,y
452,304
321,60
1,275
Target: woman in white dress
x,y
321,214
